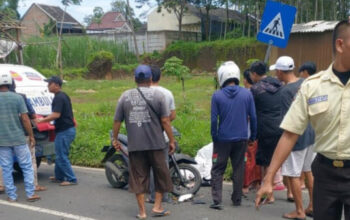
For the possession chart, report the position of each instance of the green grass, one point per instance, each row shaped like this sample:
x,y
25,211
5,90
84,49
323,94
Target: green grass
x,y
76,51
94,103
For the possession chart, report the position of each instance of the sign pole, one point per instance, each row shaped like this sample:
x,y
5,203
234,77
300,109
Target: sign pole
x,y
268,52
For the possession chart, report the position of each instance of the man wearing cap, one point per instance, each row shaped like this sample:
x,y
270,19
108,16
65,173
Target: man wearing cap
x,y
145,113
323,100
231,107
267,97
301,157
62,115
13,114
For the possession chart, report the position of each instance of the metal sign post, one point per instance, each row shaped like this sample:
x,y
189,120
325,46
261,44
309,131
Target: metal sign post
x,y
276,25
268,52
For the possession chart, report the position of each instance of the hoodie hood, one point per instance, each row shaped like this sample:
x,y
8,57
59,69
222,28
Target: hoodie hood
x,y
270,84
230,91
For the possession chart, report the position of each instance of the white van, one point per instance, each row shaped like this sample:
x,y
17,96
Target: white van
x,y
31,83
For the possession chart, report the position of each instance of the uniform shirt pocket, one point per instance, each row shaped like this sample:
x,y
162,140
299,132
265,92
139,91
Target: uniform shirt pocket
x,y
318,109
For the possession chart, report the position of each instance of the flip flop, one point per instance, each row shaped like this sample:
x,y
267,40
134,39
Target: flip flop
x,y
295,218
33,198
290,199
309,214
138,216
11,200
66,183
40,188
160,214
54,180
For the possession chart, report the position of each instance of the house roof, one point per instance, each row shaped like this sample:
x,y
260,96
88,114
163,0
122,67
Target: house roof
x,y
314,26
55,13
109,21
218,14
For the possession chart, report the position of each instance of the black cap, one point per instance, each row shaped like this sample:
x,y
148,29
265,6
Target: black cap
x,y
54,79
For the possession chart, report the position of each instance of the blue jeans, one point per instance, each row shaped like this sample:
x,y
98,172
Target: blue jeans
x,y
24,159
63,168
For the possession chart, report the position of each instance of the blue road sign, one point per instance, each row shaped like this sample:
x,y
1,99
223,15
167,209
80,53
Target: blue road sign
x,y
276,24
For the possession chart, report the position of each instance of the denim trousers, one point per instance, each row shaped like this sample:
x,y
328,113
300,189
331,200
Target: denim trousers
x,y
24,159
63,167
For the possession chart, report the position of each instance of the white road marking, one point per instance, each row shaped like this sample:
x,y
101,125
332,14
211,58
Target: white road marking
x,y
46,211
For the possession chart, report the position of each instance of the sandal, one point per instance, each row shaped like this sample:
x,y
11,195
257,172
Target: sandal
x,y
309,214
33,198
138,216
290,199
54,180
11,200
160,214
40,188
66,183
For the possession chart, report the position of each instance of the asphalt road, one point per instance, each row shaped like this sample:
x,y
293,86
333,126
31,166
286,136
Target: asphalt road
x,y
93,198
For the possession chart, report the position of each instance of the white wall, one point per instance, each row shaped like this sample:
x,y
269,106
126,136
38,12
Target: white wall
x,y
165,21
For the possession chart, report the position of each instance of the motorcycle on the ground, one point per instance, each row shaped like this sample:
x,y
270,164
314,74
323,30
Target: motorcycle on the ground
x,y
186,179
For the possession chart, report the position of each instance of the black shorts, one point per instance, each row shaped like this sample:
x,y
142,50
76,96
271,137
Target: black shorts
x,y
140,163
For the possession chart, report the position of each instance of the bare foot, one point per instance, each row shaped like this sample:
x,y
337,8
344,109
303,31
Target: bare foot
x,y
294,215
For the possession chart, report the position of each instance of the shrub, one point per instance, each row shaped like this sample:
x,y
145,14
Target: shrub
x,y
173,67
100,63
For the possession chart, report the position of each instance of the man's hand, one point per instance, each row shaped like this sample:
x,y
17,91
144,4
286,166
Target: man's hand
x,y
172,147
37,120
116,144
250,143
265,191
31,142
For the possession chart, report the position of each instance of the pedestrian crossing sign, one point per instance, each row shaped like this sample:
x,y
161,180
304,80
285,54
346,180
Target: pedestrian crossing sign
x,y
276,24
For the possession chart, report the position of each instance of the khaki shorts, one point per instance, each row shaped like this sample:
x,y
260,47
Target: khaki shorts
x,y
140,163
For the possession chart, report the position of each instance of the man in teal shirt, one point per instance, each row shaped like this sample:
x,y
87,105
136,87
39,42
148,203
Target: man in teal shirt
x,y
13,114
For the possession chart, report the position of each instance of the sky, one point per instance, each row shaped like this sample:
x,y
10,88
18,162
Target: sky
x,y
85,8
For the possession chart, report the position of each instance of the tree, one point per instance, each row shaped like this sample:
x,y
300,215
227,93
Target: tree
x,y
66,3
207,5
178,7
95,17
9,8
128,12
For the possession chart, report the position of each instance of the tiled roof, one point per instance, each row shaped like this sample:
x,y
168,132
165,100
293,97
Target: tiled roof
x,y
56,13
108,21
314,26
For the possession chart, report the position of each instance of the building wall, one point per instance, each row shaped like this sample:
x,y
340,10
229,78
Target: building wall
x,y
302,47
33,18
147,42
167,21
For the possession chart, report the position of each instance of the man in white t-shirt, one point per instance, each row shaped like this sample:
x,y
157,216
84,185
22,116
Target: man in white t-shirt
x,y
170,101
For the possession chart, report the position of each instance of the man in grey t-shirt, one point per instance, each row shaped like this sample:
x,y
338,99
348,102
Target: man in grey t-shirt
x,y
13,111
145,113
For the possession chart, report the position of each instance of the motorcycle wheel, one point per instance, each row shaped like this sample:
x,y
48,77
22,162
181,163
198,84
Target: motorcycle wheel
x,y
192,179
117,181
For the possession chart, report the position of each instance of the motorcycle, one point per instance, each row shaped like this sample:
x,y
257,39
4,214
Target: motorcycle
x,y
186,179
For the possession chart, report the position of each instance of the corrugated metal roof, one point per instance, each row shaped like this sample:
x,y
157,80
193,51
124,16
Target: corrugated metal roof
x,y
314,26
